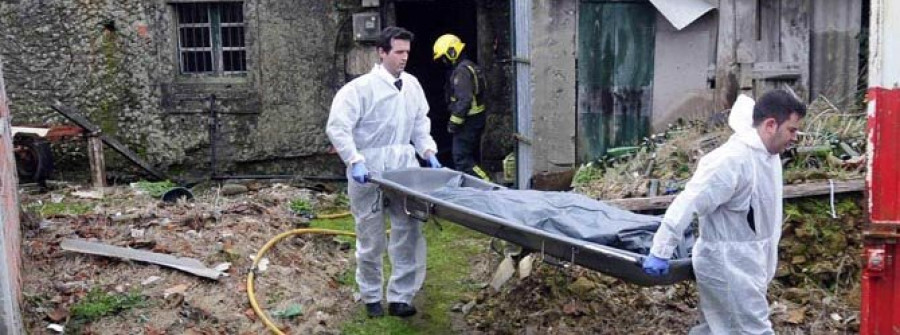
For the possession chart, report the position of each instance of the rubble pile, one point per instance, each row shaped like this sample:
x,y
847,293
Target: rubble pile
x,y
91,294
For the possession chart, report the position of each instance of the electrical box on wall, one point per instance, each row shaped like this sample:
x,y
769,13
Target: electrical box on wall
x,y
366,26
370,3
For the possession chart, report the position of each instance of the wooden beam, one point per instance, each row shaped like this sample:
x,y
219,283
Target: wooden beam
x,y
726,62
790,191
74,116
10,238
777,70
98,163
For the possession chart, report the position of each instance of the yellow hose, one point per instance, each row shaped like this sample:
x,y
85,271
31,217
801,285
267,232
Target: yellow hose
x,y
250,277
332,216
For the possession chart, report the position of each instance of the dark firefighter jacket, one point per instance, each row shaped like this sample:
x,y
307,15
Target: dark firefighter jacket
x,y
465,91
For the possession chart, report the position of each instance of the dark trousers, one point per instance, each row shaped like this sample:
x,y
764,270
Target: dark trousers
x,y
467,144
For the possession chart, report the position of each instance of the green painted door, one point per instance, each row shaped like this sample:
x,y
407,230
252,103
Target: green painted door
x,y
615,74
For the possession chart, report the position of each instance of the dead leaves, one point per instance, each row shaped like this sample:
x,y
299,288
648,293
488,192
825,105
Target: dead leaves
x,y
58,314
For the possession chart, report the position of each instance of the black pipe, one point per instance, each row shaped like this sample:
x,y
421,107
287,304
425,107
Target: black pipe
x,y
281,176
213,124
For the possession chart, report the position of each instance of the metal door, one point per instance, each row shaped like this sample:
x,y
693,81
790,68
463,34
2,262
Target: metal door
x,y
615,74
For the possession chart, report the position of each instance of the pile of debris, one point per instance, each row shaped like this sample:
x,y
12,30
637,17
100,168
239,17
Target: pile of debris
x,y
579,301
831,146
816,289
68,289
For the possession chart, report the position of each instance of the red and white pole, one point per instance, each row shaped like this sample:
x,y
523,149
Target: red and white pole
x,y
880,310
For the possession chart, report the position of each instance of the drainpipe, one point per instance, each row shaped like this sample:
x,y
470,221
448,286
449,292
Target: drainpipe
x,y
521,28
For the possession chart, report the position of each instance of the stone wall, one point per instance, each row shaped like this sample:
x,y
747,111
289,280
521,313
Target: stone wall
x,y
117,62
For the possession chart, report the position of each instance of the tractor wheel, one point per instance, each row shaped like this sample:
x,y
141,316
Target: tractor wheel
x,y
34,161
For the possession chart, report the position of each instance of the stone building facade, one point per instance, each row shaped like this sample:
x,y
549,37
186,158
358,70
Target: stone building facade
x,y
145,70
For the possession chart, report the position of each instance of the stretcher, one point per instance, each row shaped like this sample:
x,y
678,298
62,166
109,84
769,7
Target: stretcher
x,y
410,188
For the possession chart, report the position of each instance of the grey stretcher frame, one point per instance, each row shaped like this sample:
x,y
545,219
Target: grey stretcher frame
x,y
409,187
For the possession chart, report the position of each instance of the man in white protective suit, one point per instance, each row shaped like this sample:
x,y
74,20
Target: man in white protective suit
x,y
736,193
372,122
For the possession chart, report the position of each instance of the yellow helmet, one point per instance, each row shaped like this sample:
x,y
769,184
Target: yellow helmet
x,y
448,45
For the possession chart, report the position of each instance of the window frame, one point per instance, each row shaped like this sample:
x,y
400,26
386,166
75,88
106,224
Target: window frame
x,y
217,49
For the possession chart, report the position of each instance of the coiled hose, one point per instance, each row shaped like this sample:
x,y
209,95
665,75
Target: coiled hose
x,y
259,255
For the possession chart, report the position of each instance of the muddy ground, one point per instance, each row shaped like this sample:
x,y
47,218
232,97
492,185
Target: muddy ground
x,y
309,275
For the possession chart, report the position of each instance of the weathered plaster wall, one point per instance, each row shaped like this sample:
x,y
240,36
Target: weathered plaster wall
x,y
683,61
117,62
834,44
553,82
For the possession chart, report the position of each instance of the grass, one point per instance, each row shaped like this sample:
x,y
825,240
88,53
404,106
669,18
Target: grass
x,y
449,253
155,189
97,304
301,207
62,208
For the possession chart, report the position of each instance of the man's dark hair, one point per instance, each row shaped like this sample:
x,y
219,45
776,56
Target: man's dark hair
x,y
778,104
392,33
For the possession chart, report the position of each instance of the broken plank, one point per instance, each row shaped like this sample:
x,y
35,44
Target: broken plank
x,y
82,122
185,264
790,191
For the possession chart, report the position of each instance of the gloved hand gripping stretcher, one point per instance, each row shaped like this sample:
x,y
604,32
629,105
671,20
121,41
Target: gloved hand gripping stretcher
x,y
567,226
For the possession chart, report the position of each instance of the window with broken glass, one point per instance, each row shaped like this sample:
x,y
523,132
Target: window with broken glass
x,y
211,38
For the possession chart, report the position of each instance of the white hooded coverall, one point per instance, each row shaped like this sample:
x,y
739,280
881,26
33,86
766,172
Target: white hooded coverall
x,y
733,260
372,121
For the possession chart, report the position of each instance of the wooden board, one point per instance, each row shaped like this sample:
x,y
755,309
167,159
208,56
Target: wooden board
x,y
790,191
185,264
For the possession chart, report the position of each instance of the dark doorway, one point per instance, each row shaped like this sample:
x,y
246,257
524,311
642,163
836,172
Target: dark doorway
x,y
428,20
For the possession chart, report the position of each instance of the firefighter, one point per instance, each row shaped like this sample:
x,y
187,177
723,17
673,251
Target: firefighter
x,y
464,95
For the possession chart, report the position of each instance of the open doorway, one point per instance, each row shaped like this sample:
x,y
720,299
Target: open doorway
x,y
428,20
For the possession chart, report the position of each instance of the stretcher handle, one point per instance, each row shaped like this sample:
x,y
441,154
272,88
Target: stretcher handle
x,y
414,215
637,260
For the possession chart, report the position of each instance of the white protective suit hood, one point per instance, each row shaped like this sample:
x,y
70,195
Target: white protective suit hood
x,y
736,193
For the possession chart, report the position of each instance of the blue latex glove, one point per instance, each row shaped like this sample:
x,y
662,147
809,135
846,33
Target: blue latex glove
x,y
359,173
656,266
433,162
